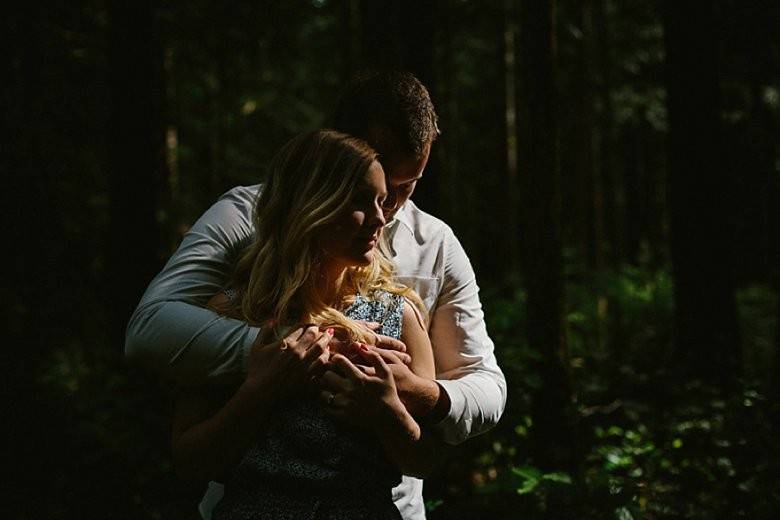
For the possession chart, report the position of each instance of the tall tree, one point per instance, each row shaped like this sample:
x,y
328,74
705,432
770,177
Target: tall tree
x,y
759,43
582,191
540,186
136,154
606,171
634,137
509,66
707,339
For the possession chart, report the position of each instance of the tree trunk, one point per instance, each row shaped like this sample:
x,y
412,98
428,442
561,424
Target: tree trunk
x,y
349,16
29,165
611,186
540,181
762,138
587,186
634,181
136,155
511,201
707,340
449,195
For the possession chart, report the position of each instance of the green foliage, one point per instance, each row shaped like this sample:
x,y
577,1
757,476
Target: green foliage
x,y
652,446
92,433
112,440
531,478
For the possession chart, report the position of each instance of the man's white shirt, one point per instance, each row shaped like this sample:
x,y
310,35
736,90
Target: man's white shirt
x,y
172,332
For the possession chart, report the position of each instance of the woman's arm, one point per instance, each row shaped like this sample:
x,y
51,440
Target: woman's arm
x,y
415,382
418,344
208,440
207,445
416,454
371,393
367,397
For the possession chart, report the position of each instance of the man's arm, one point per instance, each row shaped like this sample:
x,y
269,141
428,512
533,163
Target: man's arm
x,y
170,330
465,362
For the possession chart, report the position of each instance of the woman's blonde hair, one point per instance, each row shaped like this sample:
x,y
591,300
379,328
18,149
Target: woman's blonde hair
x,y
311,183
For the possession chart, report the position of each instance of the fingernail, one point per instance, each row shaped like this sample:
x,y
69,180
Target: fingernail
x,y
364,347
329,330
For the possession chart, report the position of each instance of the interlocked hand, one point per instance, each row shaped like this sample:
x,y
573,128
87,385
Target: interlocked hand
x,y
288,363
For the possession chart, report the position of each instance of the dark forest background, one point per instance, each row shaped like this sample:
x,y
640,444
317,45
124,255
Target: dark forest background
x,y
611,168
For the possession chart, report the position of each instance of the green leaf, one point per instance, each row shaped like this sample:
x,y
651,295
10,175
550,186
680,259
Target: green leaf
x,y
527,487
431,505
561,477
527,472
530,478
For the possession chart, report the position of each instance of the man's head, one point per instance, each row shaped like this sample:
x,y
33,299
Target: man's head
x,y
393,112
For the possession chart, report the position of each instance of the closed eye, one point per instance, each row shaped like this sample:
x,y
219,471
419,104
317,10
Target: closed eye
x,y
368,198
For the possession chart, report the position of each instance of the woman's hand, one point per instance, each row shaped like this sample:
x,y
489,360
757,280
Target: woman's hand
x,y
363,395
391,349
366,396
287,364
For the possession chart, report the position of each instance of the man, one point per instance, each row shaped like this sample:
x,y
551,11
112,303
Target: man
x,y
172,332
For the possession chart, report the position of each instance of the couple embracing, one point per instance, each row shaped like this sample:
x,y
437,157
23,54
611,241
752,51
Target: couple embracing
x,y
326,335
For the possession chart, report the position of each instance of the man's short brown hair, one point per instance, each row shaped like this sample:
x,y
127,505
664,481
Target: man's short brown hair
x,y
393,104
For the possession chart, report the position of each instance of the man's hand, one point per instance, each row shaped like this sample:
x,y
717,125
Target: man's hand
x,y
418,394
422,397
364,399
383,345
384,342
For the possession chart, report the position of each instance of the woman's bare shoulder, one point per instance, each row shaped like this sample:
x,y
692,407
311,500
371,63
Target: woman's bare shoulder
x,y
414,334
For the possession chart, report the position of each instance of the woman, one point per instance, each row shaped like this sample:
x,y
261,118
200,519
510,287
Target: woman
x,y
283,448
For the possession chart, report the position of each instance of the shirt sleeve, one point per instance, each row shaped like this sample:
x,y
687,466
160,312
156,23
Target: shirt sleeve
x,y
465,362
170,330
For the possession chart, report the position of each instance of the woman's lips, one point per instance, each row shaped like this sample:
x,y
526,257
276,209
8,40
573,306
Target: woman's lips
x,y
370,240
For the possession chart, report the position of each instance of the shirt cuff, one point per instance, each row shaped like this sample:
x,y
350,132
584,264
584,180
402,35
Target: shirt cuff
x,y
454,428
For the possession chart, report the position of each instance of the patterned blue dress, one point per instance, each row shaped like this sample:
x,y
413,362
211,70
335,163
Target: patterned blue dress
x,y
308,466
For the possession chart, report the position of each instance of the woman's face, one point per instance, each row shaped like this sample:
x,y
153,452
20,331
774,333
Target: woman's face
x,y
351,238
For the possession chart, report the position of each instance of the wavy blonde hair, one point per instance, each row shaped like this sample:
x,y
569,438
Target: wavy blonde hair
x,y
312,181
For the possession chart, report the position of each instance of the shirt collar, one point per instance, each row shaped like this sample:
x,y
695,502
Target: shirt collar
x,y
403,216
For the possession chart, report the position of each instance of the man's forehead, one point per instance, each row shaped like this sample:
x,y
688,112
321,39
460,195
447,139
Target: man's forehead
x,y
402,175
402,169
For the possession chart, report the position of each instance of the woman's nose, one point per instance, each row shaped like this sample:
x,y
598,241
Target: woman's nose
x,y
379,214
390,203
